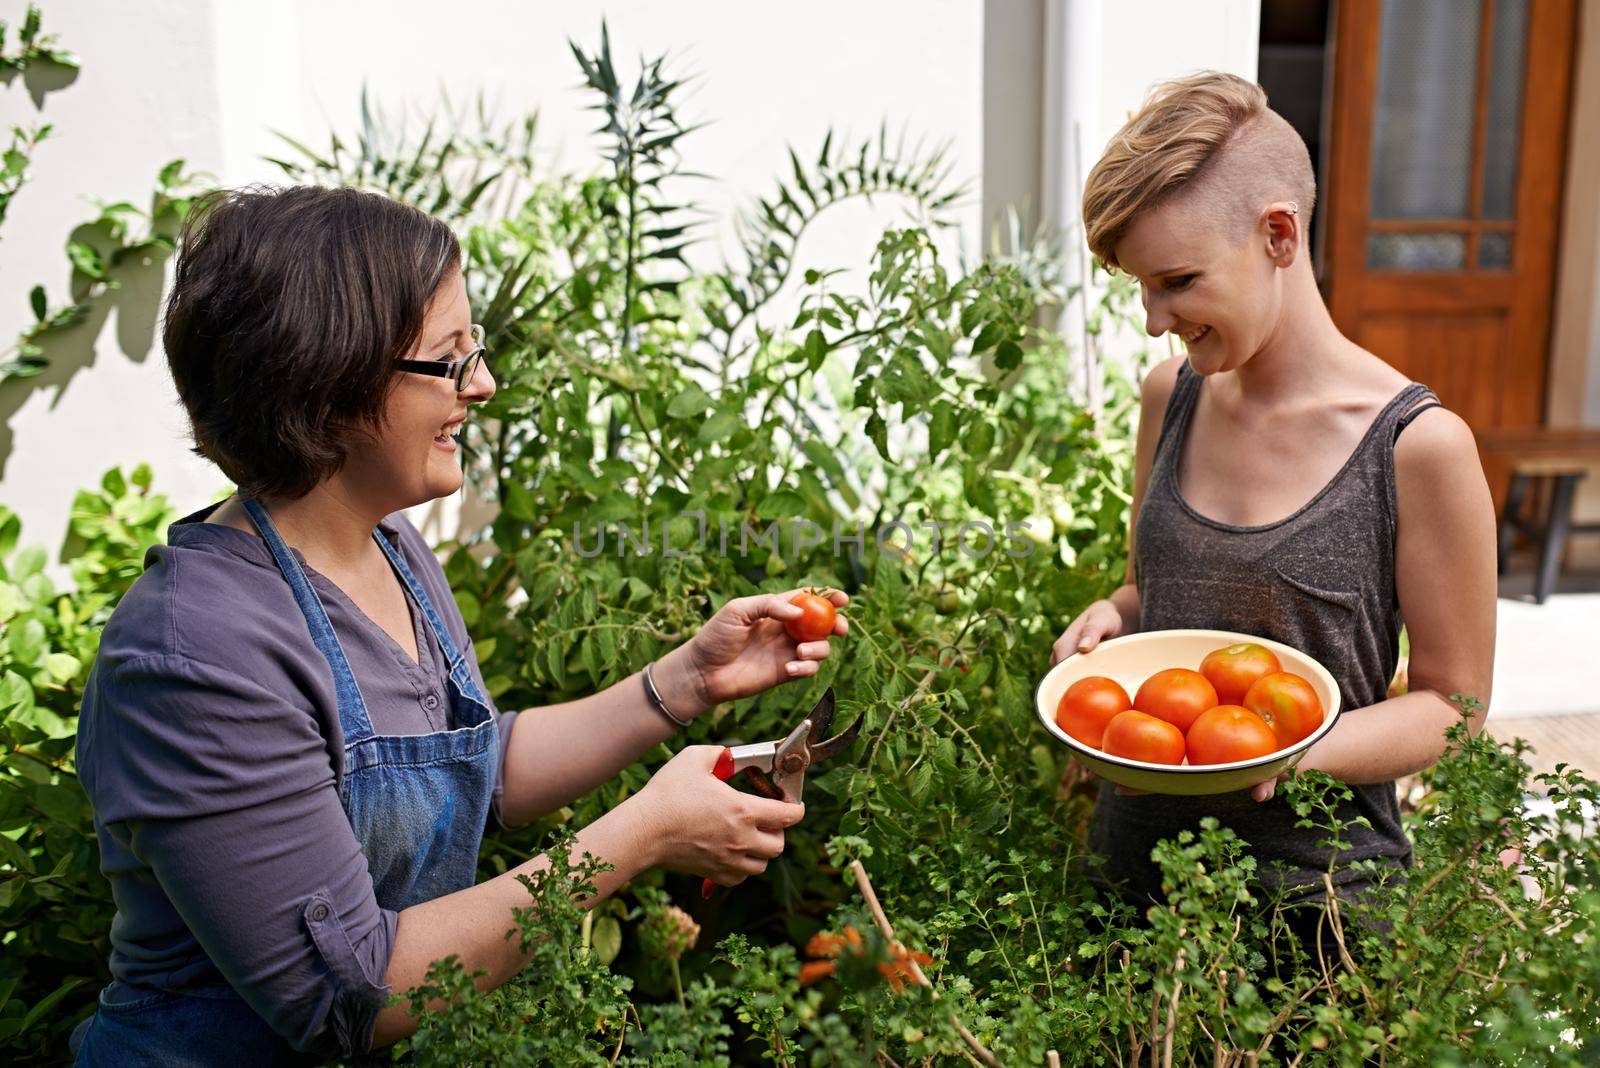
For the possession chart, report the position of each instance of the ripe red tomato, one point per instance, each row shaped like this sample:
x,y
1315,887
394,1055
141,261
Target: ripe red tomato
x,y
815,621
1176,695
1137,736
1088,705
1233,669
1227,733
1288,704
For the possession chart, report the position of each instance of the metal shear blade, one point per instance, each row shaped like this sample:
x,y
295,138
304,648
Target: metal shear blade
x,y
778,769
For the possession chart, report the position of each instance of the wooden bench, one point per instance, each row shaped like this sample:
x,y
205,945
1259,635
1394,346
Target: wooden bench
x,y
1537,457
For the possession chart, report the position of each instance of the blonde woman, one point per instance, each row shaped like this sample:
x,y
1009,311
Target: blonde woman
x,y
1288,483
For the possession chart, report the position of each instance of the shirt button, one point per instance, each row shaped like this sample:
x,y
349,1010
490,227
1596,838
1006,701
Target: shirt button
x,y
319,912
430,702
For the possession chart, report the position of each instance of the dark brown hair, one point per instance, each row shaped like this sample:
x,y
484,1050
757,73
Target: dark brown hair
x,y
289,308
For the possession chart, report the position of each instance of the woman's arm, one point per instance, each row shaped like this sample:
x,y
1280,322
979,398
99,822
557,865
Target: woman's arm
x,y
1445,579
685,818
563,751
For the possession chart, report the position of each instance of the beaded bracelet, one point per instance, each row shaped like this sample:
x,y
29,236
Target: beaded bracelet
x,y
654,697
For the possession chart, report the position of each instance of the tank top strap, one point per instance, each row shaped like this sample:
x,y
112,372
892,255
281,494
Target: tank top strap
x,y
1411,402
1185,391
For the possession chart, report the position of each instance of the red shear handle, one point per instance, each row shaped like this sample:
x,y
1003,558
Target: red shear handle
x,y
723,771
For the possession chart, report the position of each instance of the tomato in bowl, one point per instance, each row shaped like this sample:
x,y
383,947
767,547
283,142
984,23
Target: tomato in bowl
x,y
1133,659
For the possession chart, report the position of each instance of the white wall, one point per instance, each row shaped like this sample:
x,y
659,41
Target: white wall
x,y
207,79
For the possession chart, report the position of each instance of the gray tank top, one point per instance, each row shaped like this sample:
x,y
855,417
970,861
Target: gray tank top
x,y
1321,580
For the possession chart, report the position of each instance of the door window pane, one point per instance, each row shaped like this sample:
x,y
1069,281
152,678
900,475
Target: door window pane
x,y
1503,130
1494,251
1422,122
1416,252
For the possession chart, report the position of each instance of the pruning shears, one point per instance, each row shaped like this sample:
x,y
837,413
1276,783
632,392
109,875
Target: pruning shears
x,y
777,769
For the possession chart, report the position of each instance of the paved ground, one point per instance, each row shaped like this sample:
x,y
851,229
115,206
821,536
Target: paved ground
x,y
1572,740
1547,669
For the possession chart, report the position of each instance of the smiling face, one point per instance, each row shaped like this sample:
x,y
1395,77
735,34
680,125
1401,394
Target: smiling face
x,y
1217,288
413,456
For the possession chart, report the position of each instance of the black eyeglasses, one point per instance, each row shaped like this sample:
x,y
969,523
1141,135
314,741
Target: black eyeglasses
x,y
461,370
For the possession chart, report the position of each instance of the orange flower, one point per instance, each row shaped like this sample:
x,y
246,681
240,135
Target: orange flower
x,y
828,946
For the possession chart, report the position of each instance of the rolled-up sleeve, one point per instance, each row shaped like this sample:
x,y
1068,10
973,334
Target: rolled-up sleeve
x,y
227,793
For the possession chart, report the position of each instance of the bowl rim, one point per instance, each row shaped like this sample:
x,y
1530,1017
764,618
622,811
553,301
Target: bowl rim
x,y
1228,637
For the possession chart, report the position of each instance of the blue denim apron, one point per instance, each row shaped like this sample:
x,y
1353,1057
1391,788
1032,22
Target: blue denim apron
x,y
417,804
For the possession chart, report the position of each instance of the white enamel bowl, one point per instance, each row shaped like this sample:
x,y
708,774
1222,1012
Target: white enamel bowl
x,y
1132,659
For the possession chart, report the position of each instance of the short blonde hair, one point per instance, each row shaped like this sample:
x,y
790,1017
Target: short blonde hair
x,y
1209,134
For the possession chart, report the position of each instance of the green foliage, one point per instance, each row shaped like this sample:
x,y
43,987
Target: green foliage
x,y
55,906
120,236
577,1001
32,46
99,249
763,404
14,162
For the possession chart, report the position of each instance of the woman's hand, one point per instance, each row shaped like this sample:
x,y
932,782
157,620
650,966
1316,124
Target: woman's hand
x,y
702,825
744,649
1094,624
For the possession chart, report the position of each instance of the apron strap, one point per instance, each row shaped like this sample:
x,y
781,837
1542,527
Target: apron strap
x,y
353,718
458,669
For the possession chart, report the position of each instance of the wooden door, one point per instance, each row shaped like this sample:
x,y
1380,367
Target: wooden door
x,y
1447,140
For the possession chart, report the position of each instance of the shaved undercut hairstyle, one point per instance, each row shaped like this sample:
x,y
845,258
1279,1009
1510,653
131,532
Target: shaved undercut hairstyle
x,y
1210,137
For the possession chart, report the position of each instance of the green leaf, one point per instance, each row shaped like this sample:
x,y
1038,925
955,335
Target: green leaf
x,y
942,425
86,259
26,642
815,349
690,403
519,502
36,299
607,939
782,504
1008,355
718,426
49,1001
62,666
29,561
10,530
18,856
878,432
63,803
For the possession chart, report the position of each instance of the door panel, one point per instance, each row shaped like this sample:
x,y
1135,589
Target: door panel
x,y
1458,355
1448,137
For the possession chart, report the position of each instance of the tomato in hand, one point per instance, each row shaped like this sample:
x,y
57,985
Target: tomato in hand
x,y
1232,669
1138,736
1088,705
1227,733
1288,704
1176,695
815,621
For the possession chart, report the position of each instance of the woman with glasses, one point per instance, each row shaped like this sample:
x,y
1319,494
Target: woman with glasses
x,y
286,736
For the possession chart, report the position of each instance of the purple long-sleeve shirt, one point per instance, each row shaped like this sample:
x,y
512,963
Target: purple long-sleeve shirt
x,y
209,743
